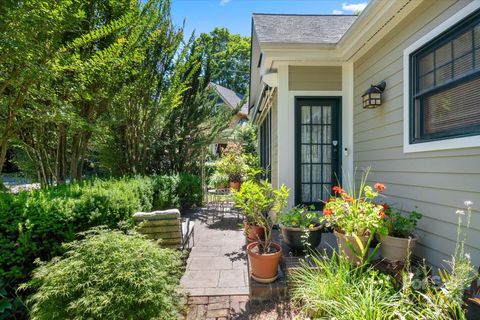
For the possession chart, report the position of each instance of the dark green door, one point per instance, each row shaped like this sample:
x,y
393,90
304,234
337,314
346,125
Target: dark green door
x,y
317,149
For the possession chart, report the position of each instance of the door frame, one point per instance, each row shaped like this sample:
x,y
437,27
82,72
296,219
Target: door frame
x,y
297,127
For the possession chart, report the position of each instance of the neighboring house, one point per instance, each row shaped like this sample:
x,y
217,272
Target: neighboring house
x,y
232,100
308,75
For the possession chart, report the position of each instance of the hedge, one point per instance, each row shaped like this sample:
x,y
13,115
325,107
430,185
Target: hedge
x,y
33,225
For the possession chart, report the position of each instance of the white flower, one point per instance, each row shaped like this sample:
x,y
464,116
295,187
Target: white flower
x,y
461,212
468,203
467,255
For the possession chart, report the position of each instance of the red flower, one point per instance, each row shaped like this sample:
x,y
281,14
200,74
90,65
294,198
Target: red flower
x,y
327,212
380,187
385,206
336,189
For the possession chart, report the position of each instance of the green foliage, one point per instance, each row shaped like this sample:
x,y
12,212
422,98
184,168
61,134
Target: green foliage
x,y
399,225
261,204
233,162
35,224
218,180
108,275
353,211
300,217
246,135
230,58
333,288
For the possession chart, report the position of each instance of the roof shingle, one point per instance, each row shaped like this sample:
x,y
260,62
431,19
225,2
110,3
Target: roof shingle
x,y
308,29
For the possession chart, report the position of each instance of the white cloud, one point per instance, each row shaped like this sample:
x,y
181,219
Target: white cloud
x,y
354,7
224,2
337,12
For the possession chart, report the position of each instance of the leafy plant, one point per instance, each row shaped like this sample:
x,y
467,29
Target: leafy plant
x,y
300,217
261,204
353,211
233,163
108,275
35,224
218,180
399,225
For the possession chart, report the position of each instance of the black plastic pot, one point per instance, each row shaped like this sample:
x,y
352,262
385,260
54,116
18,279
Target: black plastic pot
x,y
294,237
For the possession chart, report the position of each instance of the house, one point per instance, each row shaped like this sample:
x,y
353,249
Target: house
x,y
308,76
232,100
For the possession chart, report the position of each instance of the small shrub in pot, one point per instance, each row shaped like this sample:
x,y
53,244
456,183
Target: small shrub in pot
x,y
261,204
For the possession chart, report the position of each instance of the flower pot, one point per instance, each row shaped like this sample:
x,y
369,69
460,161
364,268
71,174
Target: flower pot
x,y
396,249
295,237
235,185
264,267
253,232
342,244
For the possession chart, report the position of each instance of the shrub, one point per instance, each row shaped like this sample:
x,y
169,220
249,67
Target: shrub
x,y
33,225
108,275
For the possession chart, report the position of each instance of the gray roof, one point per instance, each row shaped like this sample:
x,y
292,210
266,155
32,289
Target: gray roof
x,y
228,96
310,29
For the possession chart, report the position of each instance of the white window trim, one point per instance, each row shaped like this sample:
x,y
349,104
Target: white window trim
x,y
454,143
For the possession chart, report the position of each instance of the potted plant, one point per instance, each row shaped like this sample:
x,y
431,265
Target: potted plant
x,y
261,204
355,219
301,228
218,180
400,240
233,164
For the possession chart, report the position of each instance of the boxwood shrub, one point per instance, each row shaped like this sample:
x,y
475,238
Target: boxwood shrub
x,y
33,225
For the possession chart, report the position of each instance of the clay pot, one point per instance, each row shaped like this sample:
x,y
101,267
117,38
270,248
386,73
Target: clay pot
x,y
396,249
253,232
264,267
235,185
293,237
342,244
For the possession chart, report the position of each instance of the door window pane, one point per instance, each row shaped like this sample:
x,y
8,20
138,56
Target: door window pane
x,y
306,194
305,134
316,115
306,156
305,115
316,173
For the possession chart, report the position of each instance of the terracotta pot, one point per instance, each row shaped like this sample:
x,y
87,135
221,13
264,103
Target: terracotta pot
x,y
342,244
264,267
253,232
293,237
235,185
396,249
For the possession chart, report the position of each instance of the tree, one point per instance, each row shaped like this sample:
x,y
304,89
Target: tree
x,y
193,125
30,35
229,55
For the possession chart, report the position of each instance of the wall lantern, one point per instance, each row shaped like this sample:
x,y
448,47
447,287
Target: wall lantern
x,y
372,98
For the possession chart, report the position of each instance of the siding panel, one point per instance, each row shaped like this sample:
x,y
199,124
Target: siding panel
x,y
315,78
436,182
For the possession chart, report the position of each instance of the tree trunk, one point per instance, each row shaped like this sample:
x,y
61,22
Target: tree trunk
x,y
60,163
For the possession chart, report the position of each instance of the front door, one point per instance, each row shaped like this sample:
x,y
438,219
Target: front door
x,y
317,154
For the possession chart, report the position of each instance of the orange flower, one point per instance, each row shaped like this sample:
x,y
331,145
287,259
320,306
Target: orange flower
x,y
347,198
327,212
331,200
380,187
382,214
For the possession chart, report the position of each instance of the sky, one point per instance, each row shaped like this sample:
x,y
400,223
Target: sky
x,y
204,15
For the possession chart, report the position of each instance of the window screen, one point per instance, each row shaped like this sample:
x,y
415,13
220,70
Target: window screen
x,y
445,81
266,145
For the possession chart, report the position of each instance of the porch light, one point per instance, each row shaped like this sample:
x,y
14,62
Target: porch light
x,y
372,98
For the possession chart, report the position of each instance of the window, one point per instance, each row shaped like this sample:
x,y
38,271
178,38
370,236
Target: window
x,y
266,145
445,84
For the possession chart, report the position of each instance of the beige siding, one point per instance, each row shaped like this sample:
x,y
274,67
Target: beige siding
x,y
314,78
436,182
274,150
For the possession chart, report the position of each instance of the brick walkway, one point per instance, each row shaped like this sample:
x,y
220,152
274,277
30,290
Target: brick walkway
x,y
216,308
216,278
